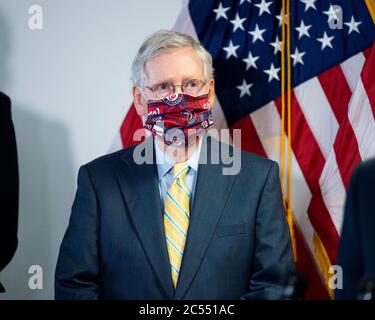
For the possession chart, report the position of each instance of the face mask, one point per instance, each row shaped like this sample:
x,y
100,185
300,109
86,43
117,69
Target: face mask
x,y
179,118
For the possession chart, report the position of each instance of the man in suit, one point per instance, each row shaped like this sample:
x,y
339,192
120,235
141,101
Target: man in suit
x,y
9,185
175,227
357,244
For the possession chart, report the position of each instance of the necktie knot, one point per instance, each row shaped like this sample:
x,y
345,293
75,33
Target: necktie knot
x,y
180,170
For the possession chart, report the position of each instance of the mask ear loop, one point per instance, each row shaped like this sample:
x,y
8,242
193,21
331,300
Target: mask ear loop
x,y
143,95
144,118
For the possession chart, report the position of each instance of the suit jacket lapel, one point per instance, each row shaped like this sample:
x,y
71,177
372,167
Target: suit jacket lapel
x,y
211,184
139,185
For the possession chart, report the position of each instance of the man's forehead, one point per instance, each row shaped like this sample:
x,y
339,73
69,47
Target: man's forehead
x,y
174,63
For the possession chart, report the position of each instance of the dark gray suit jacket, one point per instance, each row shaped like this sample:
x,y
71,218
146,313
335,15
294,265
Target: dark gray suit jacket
x,y
238,243
8,186
357,243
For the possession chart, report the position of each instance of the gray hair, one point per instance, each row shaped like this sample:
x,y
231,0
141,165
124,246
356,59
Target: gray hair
x,y
166,40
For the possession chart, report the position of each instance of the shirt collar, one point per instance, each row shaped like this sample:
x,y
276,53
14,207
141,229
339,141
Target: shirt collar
x,y
165,162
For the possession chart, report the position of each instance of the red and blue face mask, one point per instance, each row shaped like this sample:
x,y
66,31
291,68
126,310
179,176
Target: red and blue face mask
x,y
179,118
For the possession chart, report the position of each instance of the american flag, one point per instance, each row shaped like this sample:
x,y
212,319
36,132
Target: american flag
x,y
332,102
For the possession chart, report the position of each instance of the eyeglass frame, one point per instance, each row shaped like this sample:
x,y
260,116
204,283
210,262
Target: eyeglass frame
x,y
204,82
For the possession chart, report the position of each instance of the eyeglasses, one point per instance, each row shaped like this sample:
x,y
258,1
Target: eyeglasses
x,y
165,89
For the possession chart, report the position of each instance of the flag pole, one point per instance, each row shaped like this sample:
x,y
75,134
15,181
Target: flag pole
x,y
285,31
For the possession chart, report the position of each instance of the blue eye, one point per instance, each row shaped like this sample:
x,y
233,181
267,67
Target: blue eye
x,y
192,84
163,86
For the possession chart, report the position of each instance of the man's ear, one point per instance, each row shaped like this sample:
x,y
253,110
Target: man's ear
x,y
139,101
211,93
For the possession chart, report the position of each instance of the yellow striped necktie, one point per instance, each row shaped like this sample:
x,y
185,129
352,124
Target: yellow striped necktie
x,y
176,218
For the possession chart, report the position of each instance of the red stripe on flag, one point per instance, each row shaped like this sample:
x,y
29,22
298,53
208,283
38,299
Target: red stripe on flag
x,y
346,150
323,225
304,145
367,51
311,161
249,137
131,123
338,93
368,77
315,289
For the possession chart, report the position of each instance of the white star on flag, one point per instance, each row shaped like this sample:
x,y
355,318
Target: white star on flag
x,y
353,25
297,57
231,50
326,41
278,17
221,12
309,4
250,61
331,13
263,7
257,33
244,88
276,44
237,22
303,30
272,73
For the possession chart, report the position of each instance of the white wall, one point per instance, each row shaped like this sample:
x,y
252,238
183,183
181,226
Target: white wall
x,y
70,88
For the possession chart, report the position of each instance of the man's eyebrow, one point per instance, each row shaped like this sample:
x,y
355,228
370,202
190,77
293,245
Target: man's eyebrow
x,y
171,81
162,81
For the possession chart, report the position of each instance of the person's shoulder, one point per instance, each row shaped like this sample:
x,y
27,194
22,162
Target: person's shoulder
x,y
367,166
257,159
365,172
4,100
249,158
257,165
110,159
245,164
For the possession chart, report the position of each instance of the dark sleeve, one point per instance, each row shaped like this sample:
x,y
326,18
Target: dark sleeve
x,y
350,253
77,270
9,184
273,257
